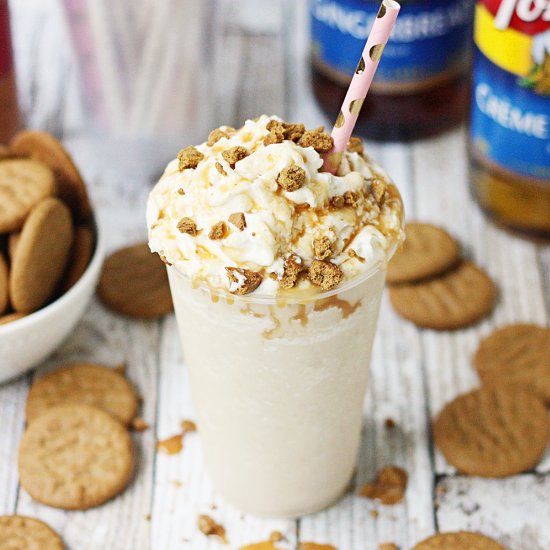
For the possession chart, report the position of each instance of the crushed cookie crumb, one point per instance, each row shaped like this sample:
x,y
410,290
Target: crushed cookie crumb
x,y
317,139
187,225
374,514
274,137
218,231
215,135
350,198
189,158
389,486
139,425
209,527
291,178
181,191
234,155
188,426
378,190
337,201
322,248
293,266
238,220
355,145
242,281
275,126
220,169
325,274
389,423
387,546
164,260
294,132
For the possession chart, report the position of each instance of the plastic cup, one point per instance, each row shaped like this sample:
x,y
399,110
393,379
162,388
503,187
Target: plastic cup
x,y
278,387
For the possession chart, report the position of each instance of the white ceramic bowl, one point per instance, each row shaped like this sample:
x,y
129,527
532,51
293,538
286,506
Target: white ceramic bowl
x,y
28,341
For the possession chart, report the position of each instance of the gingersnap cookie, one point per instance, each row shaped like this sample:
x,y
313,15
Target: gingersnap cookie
x,y
4,284
134,282
461,540
10,317
519,355
85,383
23,184
83,248
75,457
454,300
13,239
428,251
70,185
24,533
41,255
495,431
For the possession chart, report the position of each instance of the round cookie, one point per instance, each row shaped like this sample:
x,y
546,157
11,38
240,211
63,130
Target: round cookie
x,y
454,300
24,533
134,282
75,457
70,186
13,240
41,255
427,251
516,354
10,317
4,284
23,184
85,383
461,540
83,248
495,431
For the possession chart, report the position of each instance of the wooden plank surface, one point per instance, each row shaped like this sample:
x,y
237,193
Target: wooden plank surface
x,y
257,62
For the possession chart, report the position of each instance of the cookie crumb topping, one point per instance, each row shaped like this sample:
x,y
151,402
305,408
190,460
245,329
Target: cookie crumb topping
x,y
324,274
377,190
189,158
218,231
242,281
238,219
234,155
187,225
181,191
293,266
209,527
322,248
355,145
291,178
319,140
215,135
220,169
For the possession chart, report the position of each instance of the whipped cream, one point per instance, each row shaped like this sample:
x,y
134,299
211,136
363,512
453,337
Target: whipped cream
x,y
279,224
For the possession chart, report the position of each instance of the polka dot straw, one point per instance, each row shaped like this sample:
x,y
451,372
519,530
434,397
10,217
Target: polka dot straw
x,y
361,81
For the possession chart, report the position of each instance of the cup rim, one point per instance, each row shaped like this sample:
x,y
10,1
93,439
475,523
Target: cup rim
x,y
289,299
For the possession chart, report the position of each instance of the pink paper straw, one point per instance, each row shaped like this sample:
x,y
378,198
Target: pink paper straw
x,y
361,81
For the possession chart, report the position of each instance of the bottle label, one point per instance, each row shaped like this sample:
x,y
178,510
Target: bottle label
x,y
510,122
429,43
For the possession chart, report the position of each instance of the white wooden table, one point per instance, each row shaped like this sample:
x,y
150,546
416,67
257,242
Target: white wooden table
x,y
260,66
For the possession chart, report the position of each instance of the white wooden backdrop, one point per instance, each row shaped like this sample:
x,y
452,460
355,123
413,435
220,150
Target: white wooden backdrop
x,y
258,64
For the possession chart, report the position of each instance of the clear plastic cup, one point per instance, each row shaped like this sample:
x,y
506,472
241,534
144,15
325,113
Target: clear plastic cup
x,y
278,387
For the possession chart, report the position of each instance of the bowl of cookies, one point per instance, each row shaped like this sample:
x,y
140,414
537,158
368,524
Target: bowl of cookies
x,y
50,250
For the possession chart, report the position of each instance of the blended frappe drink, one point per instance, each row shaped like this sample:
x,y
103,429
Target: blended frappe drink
x,y
277,270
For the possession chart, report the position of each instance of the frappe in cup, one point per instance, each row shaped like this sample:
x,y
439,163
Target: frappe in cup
x,y
276,269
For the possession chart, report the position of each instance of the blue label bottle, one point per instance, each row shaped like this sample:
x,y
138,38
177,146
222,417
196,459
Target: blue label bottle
x,y
421,86
510,116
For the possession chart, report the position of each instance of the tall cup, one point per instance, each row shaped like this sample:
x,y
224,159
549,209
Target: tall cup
x,y
278,387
